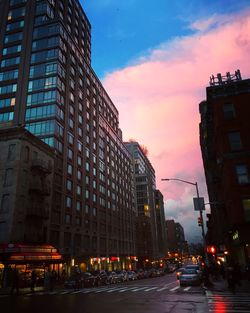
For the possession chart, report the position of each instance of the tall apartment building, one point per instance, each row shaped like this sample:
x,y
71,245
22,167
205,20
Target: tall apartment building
x,y
146,225
47,85
161,224
225,146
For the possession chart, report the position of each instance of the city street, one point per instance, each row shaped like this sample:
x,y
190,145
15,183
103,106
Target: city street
x,y
162,294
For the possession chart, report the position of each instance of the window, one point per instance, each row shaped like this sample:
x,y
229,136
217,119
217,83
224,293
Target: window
x,y
41,112
242,174
11,152
14,2
43,83
13,37
41,128
12,26
8,89
46,69
69,184
228,110
235,141
45,43
67,219
70,169
8,178
12,49
246,207
9,75
6,117
7,102
15,13
10,62
78,206
68,202
42,97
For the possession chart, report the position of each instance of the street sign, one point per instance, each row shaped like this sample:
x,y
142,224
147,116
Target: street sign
x,y
199,204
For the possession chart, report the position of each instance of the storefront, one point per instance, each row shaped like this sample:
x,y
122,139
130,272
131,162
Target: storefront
x,y
26,258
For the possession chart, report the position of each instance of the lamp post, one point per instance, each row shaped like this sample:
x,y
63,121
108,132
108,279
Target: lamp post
x,y
200,208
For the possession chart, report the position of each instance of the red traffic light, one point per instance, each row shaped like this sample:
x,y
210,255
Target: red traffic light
x,y
211,249
199,221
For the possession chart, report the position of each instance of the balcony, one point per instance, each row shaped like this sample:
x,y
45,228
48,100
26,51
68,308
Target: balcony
x,y
41,165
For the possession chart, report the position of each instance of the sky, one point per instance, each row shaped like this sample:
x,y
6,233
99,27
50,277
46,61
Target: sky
x,y
155,59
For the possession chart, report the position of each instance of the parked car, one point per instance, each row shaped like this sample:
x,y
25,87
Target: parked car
x,y
88,280
101,278
132,275
84,279
190,277
141,274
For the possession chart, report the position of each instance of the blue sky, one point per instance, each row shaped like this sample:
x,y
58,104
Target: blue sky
x,y
122,30
155,59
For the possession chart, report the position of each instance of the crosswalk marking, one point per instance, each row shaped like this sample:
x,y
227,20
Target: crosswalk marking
x,y
161,289
220,302
173,289
122,289
139,289
187,288
152,288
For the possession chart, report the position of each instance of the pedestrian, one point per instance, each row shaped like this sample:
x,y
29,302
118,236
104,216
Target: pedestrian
x,y
33,280
233,276
15,282
52,280
47,280
206,276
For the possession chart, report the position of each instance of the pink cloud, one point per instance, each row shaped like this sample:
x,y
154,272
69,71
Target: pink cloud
x,y
158,98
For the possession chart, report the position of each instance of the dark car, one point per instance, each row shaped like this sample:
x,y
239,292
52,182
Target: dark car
x,y
88,280
101,278
81,280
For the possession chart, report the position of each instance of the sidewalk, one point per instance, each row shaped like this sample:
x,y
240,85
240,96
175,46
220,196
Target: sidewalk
x,y
221,285
23,291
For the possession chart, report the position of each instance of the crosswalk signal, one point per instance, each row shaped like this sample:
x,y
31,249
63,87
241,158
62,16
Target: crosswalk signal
x,y
199,221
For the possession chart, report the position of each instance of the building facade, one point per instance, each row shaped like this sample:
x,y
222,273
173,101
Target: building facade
x,y
225,146
176,238
48,86
146,224
161,224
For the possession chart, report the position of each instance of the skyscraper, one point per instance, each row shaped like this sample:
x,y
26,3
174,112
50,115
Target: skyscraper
x,y
144,181
48,87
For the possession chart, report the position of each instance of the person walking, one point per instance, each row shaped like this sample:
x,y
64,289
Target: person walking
x,y
15,282
33,281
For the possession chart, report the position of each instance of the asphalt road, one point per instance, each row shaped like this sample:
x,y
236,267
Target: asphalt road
x,y
154,295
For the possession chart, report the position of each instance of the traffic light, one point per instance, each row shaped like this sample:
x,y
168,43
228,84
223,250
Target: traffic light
x,y
199,221
211,249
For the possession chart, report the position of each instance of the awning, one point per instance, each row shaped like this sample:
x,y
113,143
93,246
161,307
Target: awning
x,y
22,253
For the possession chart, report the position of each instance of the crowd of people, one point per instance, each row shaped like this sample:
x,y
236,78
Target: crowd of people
x,y
231,272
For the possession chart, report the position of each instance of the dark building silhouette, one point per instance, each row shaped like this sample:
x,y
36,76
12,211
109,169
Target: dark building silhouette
x,y
176,238
225,146
47,86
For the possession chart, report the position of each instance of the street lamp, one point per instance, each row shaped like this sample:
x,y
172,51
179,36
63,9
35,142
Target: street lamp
x,y
199,204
